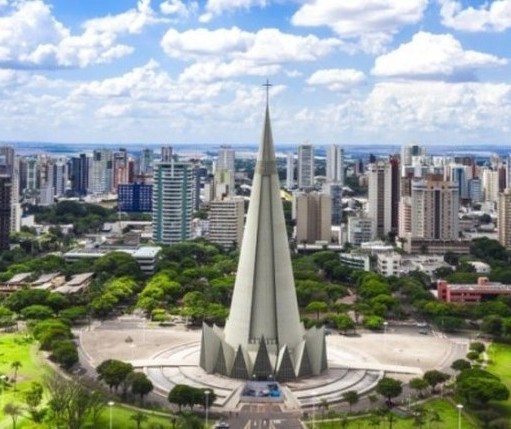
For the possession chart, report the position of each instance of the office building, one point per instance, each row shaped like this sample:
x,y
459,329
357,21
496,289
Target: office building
x,y
408,152
360,230
335,164
80,174
290,171
226,222
334,191
146,162
59,179
225,170
490,182
5,210
313,218
380,197
135,197
435,204
504,220
173,198
100,172
305,166
263,336
166,154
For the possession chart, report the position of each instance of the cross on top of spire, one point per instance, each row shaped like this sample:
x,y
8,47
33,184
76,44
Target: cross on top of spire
x,y
268,85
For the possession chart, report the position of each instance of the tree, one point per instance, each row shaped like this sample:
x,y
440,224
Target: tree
x,y
389,388
14,411
39,312
418,384
477,347
316,307
16,365
114,372
140,384
344,323
180,395
374,323
478,390
139,418
50,330
65,353
435,377
351,397
33,398
461,364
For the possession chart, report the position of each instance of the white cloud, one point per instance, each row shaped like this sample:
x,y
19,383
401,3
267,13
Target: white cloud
x,y
217,7
372,23
490,16
226,53
179,8
31,37
433,56
337,79
439,105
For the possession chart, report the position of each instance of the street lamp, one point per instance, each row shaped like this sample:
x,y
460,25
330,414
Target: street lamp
x,y
459,407
3,379
313,411
206,398
110,405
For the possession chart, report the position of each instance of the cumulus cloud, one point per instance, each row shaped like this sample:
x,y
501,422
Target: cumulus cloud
x,y
217,7
371,23
178,8
433,56
490,16
32,38
224,53
337,79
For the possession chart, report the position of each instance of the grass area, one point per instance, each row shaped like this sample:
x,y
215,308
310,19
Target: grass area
x,y
22,348
447,412
500,365
121,419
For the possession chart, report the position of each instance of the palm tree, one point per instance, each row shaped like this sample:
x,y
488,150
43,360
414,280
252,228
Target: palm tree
x,y
434,417
13,410
343,421
16,365
139,418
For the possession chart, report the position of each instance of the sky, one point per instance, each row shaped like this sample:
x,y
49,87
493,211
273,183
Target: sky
x,y
353,72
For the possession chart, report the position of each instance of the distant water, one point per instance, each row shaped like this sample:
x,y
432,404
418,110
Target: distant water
x,y
352,151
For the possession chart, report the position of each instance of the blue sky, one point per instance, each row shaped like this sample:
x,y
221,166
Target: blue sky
x,y
434,72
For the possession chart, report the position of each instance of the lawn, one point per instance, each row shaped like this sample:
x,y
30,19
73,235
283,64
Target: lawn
x,y
121,419
447,412
500,365
19,347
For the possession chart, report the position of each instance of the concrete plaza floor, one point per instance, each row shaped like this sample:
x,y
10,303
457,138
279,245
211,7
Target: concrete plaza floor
x,y
170,356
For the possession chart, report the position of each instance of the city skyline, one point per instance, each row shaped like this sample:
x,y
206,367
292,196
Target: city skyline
x,y
189,72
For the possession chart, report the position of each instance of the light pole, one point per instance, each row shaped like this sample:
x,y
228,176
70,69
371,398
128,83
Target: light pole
x,y
3,379
313,410
206,398
110,405
459,407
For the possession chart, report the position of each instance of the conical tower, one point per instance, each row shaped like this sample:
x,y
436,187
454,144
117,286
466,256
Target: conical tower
x,y
263,331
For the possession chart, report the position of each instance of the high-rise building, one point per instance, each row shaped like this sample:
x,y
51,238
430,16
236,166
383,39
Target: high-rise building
x,y
380,197
290,171
101,172
475,192
80,174
146,162
226,222
334,191
60,174
7,156
408,152
135,197
166,153
395,193
305,166
5,210
360,230
263,336
335,164
490,182
313,218
504,221
173,198
119,168
435,204
225,169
